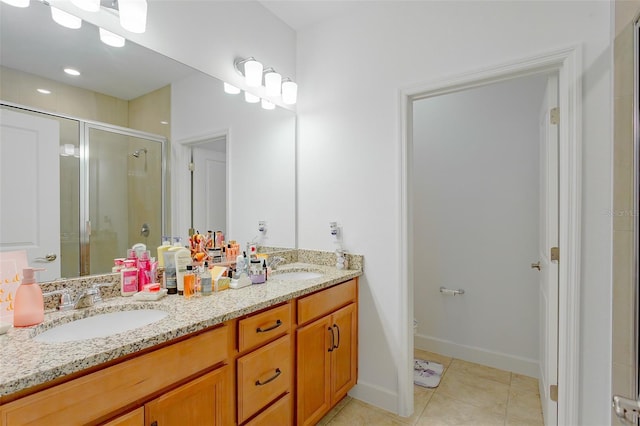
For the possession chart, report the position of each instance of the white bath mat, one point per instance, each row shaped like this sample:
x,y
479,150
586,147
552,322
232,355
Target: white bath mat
x,y
427,373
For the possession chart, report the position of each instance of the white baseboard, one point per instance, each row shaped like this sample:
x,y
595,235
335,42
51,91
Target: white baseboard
x,y
515,364
375,395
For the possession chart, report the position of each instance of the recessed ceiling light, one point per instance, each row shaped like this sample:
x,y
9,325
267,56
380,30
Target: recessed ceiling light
x,y
44,91
71,71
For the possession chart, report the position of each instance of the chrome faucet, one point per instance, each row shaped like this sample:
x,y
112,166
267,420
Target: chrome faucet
x,y
92,293
274,261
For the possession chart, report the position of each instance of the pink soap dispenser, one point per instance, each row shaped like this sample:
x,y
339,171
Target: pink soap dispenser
x,y
28,304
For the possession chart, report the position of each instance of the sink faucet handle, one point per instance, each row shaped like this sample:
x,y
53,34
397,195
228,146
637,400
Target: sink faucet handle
x,y
97,297
65,298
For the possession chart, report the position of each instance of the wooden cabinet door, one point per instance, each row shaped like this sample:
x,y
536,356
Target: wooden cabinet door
x,y
344,357
314,371
202,401
132,418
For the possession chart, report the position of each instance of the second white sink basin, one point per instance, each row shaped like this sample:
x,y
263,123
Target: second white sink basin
x,y
296,275
102,325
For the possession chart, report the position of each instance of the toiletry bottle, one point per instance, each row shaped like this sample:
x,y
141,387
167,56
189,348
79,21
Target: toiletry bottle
x,y
166,245
205,280
189,282
144,269
183,258
170,280
129,279
28,303
240,265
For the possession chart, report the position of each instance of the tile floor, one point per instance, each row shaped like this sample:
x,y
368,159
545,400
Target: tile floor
x,y
468,394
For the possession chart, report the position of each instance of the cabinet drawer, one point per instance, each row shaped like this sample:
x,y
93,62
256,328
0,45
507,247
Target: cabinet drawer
x,y
279,413
326,301
263,375
94,396
260,328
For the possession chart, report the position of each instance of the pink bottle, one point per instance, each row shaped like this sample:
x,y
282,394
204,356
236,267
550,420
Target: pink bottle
x,y
28,304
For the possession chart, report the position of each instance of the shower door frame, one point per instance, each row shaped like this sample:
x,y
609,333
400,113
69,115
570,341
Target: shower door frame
x,y
85,224
636,202
84,127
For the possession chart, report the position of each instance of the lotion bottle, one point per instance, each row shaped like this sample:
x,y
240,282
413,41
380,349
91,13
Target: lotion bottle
x,y
29,303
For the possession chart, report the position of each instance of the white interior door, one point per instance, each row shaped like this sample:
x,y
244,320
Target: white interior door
x,y
210,187
549,219
30,189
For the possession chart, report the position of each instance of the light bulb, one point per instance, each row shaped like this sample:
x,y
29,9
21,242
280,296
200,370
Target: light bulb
x,y
272,82
251,98
230,89
253,73
65,19
88,5
111,39
72,72
17,3
267,105
133,15
289,92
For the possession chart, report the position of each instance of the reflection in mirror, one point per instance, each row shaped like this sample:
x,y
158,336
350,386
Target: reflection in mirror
x,y
130,87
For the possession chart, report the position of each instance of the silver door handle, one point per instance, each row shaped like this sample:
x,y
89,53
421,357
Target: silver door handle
x,y
626,409
536,265
49,257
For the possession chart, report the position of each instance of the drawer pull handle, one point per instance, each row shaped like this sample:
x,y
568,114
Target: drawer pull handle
x,y
263,330
332,345
272,378
338,329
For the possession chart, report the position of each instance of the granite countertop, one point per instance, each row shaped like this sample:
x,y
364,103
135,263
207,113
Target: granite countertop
x,y
29,363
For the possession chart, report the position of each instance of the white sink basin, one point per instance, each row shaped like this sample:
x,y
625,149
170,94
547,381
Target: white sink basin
x,y
102,325
296,275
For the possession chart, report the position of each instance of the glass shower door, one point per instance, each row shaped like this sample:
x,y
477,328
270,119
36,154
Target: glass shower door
x,y
124,187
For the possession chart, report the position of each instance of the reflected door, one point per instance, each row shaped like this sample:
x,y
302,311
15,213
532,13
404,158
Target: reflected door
x,y
29,189
124,189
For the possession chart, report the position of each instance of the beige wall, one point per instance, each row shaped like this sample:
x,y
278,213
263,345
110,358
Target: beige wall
x,y
625,212
21,88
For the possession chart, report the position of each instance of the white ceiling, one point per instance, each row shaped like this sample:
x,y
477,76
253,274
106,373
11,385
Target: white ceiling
x,y
299,14
32,42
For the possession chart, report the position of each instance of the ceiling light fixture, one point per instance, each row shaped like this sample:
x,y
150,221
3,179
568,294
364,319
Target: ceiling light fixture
x,y
111,39
133,15
72,72
65,19
44,91
17,3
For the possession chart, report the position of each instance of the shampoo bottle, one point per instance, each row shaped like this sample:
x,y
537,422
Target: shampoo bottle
x,y
29,303
166,245
183,258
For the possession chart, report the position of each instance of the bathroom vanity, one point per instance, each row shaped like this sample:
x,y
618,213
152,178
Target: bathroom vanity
x,y
281,353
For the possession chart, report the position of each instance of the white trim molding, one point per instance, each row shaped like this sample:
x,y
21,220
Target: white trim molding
x,y
567,63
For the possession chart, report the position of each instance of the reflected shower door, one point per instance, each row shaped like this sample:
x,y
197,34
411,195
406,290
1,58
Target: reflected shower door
x,y
125,189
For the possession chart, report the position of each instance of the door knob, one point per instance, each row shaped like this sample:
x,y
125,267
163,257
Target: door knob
x,y
49,257
536,265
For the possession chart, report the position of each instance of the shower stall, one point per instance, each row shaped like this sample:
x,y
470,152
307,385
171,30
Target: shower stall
x,y
112,191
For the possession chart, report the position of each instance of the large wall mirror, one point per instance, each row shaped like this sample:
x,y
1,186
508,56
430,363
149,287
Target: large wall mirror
x,y
128,131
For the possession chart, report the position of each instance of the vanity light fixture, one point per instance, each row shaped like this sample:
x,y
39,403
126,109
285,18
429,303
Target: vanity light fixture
x,y
289,91
133,15
272,82
231,89
111,39
65,19
17,3
72,72
268,105
251,98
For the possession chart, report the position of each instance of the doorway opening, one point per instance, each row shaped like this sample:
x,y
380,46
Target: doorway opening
x,y
564,63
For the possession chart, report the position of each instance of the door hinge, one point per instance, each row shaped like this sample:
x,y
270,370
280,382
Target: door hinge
x,y
553,393
555,254
554,115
